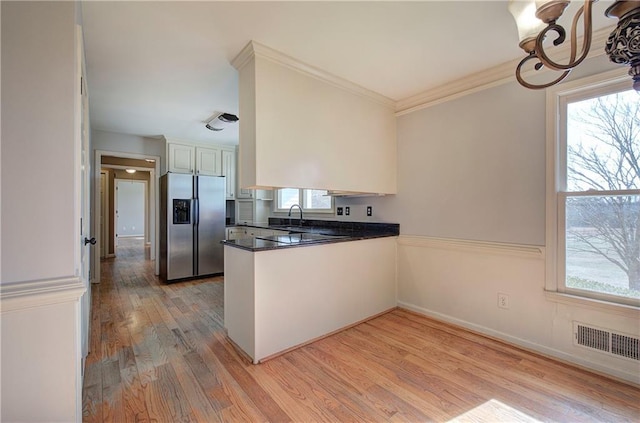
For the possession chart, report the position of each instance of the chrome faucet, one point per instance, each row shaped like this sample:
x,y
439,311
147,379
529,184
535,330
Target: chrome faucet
x,y
291,208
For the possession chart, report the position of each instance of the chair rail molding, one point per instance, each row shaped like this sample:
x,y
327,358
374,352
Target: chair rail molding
x,y
487,247
25,295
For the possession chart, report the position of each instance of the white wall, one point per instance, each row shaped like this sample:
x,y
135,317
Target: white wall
x,y
40,287
471,168
131,208
474,169
38,196
38,372
125,143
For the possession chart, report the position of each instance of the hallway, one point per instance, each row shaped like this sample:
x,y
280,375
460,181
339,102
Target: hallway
x,y
141,330
159,354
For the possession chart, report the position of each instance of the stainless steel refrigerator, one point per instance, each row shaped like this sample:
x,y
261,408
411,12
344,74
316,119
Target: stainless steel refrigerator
x,y
192,224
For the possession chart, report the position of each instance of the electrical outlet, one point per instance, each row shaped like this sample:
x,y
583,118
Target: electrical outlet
x,y
347,211
369,211
503,300
339,211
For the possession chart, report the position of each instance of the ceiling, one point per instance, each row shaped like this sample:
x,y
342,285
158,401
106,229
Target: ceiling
x,y
163,68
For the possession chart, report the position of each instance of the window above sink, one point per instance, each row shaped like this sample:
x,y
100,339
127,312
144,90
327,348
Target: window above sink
x,y
311,200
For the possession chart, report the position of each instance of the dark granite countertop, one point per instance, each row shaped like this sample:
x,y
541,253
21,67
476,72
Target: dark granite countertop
x,y
313,232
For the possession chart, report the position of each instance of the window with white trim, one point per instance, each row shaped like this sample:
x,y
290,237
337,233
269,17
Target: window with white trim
x,y
596,193
311,200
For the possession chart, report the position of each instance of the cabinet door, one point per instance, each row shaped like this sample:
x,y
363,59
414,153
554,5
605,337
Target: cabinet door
x,y
208,161
264,194
244,212
229,172
235,233
181,158
245,193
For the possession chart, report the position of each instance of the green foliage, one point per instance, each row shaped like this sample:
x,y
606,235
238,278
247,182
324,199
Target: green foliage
x,y
589,285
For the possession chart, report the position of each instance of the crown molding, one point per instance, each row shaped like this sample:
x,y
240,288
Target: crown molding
x,y
491,77
483,80
24,295
255,49
244,56
488,78
191,143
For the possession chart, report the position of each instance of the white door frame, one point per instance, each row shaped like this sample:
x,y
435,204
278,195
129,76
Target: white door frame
x,y
148,206
154,195
104,215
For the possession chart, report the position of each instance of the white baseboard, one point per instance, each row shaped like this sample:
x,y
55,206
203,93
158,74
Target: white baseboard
x,y
523,343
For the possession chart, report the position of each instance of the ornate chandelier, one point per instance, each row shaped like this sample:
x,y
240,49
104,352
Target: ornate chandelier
x,y
535,19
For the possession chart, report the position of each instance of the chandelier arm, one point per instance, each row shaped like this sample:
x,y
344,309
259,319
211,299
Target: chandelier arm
x,y
537,67
586,44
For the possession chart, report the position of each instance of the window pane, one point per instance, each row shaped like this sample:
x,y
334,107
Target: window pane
x,y
287,197
603,244
603,143
316,199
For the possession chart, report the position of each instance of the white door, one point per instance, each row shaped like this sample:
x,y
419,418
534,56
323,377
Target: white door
x,y
86,241
131,208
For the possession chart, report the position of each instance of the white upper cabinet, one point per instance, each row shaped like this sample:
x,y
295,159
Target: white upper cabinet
x,y
181,158
229,172
302,127
264,194
201,160
245,193
208,161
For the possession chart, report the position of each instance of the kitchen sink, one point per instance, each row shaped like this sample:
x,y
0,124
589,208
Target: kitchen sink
x,y
300,238
290,228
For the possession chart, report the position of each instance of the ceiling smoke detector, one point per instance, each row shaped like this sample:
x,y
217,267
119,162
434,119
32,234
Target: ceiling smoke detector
x,y
221,121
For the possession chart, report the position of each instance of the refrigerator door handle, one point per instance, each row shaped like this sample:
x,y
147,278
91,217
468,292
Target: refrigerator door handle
x,y
196,211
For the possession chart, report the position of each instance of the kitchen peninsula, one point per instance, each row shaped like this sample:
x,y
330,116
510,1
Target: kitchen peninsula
x,y
282,291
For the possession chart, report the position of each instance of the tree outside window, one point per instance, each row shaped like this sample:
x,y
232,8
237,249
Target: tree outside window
x,y
602,196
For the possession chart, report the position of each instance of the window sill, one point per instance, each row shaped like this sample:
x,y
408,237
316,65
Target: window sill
x,y
593,304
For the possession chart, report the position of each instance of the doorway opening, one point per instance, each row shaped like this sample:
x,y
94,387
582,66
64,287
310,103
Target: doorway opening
x,y
127,186
131,213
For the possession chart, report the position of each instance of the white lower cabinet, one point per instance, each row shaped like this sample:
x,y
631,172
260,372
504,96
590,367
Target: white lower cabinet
x,y
269,308
240,232
236,233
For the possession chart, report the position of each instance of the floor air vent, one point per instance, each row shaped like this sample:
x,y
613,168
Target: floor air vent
x,y
606,341
626,346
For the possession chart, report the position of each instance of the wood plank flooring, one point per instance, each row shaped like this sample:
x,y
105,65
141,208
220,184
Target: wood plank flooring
x,y
159,354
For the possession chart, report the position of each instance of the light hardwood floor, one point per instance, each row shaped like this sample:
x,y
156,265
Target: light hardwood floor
x,y
159,354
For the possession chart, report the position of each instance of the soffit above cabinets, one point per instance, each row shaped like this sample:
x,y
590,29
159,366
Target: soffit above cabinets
x,y
344,139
